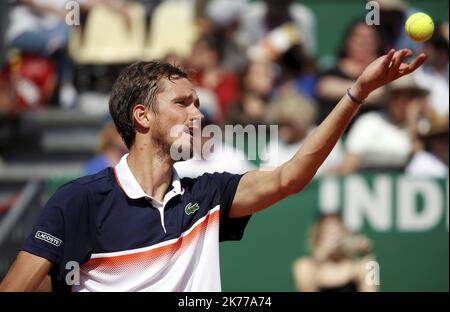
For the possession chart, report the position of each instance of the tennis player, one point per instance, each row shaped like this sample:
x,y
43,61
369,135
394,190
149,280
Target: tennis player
x,y
138,226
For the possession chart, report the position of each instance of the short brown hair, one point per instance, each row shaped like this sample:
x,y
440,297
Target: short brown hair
x,y
139,83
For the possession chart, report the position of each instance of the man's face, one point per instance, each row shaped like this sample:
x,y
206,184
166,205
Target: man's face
x,y
178,115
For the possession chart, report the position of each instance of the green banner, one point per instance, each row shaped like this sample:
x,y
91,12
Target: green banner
x,y
406,219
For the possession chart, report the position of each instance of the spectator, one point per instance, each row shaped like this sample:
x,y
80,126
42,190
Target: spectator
x,y
298,71
432,160
393,16
257,84
205,63
260,17
222,19
110,149
295,115
384,140
38,27
337,261
434,74
361,45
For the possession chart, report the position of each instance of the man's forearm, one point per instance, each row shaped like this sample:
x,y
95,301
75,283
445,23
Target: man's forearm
x,y
27,273
303,166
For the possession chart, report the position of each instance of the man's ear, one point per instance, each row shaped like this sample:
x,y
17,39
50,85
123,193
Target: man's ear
x,y
141,116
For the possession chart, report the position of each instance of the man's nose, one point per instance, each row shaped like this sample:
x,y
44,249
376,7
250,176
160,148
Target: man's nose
x,y
197,114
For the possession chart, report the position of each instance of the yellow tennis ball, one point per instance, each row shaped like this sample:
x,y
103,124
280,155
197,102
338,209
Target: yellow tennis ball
x,y
419,27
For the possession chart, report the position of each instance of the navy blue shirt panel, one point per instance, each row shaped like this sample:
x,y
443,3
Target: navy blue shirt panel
x,y
68,217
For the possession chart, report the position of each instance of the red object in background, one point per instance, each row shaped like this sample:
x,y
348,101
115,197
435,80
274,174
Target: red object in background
x,y
8,203
33,79
226,87
227,91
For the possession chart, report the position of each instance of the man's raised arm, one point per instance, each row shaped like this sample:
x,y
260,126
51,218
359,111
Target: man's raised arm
x,y
260,189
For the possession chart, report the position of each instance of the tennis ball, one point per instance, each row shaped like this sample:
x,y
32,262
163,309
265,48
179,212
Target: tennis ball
x,y
419,27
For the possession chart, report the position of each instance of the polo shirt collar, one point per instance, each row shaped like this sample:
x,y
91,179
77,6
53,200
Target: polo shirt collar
x,y
131,187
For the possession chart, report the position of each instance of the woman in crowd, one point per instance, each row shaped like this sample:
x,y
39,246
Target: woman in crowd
x,y
338,260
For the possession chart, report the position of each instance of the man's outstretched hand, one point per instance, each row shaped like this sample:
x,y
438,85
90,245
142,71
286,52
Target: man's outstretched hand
x,y
384,70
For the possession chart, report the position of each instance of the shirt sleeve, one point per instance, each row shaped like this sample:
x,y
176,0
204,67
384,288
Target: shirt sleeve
x,y
61,233
230,228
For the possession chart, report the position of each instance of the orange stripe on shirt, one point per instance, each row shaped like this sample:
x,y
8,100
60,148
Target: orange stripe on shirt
x,y
153,254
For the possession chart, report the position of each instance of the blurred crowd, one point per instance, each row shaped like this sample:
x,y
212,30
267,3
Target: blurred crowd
x,y
253,62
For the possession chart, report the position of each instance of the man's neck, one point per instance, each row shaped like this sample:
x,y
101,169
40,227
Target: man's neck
x,y
152,172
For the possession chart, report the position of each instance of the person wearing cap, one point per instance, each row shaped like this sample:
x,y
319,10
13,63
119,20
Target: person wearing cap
x,y
432,159
384,140
434,74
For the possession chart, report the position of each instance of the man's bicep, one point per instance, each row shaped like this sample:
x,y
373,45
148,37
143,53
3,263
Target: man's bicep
x,y
26,273
257,189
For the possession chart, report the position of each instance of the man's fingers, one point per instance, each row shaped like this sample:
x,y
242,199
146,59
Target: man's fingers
x,y
409,68
387,60
418,62
398,58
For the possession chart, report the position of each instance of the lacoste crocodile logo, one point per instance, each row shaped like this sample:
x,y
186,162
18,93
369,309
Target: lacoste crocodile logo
x,y
191,208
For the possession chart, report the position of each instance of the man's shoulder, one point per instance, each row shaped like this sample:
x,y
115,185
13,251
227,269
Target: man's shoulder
x,y
207,181
202,181
104,176
98,182
72,197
